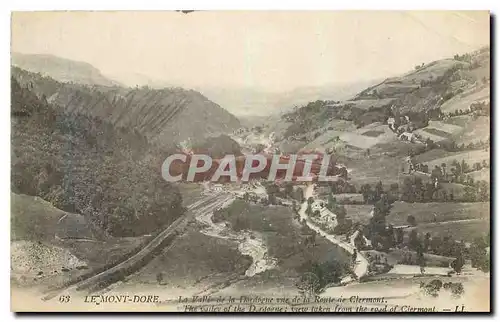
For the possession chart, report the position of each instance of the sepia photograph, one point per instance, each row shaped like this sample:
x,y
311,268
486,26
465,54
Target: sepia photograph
x,y
205,161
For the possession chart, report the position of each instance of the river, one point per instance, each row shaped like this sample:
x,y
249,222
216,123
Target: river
x,y
250,243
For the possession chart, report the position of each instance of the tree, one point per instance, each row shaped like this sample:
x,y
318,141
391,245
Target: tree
x,y
427,242
400,236
411,220
310,200
299,195
443,168
309,284
407,191
421,260
382,207
470,194
436,173
465,167
447,246
366,191
483,191
359,241
159,277
479,255
429,190
458,264
457,168
378,191
288,189
393,192
309,209
390,240
413,241
272,189
340,213
332,202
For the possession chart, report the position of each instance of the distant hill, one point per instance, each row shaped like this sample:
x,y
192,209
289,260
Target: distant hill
x,y
164,116
61,69
430,92
246,102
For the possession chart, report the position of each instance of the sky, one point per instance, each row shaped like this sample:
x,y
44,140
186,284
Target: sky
x,y
273,51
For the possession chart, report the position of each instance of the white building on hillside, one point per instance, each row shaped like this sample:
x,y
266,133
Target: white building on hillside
x,y
407,136
325,215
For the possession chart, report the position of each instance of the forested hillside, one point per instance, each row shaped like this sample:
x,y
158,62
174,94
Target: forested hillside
x,y
164,116
84,164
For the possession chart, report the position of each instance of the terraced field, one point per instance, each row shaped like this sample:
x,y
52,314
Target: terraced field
x,y
424,212
475,129
463,101
483,174
470,157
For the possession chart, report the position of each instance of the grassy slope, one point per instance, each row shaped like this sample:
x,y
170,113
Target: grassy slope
x,y
483,174
32,218
424,212
470,157
466,231
34,224
462,102
446,213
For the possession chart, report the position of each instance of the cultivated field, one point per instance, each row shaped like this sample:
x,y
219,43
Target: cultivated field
x,y
395,256
464,100
424,212
466,230
439,131
366,104
483,174
359,213
470,157
385,168
349,198
476,129
433,155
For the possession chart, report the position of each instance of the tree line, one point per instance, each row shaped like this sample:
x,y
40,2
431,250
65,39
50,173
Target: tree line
x,y
84,165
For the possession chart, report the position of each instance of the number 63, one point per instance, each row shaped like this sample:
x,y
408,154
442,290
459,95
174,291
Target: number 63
x,y
64,298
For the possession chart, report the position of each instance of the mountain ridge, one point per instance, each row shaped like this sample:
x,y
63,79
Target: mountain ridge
x,y
62,69
164,116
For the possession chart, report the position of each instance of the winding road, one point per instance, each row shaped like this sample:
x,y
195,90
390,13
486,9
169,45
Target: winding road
x,y
361,265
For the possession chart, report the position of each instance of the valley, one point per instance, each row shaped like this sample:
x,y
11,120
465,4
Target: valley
x,y
92,215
